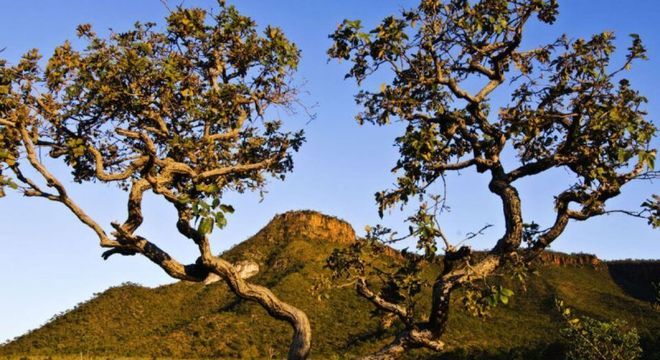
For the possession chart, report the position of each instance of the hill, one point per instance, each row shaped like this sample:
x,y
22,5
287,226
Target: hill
x,y
185,320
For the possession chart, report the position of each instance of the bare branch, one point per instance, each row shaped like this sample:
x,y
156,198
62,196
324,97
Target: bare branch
x,y
100,167
7,123
462,164
62,194
237,168
364,290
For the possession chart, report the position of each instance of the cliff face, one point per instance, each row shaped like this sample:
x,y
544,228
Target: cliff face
x,y
292,238
560,259
635,277
313,224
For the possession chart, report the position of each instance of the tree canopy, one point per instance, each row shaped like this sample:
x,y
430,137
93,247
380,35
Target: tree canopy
x,y
570,107
184,113
187,112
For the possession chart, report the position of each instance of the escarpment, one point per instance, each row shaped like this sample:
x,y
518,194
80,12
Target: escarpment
x,y
292,237
313,225
561,259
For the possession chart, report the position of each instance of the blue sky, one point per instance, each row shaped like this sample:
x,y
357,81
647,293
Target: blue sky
x,y
52,262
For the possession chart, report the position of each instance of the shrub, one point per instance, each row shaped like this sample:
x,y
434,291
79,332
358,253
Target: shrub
x,y
591,339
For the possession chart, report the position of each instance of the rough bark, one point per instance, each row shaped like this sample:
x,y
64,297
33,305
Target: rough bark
x,y
439,316
123,241
410,339
302,332
450,281
390,352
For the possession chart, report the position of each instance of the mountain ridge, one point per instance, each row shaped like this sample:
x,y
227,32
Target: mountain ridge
x,y
187,320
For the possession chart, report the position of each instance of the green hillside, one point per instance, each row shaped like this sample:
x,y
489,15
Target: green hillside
x,y
185,320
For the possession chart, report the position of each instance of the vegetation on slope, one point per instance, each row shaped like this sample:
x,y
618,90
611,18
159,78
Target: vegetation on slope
x,y
186,320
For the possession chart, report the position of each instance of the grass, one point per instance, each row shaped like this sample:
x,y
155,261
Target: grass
x,y
184,320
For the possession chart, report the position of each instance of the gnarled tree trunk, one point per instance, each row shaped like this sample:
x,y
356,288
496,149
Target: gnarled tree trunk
x,y
302,337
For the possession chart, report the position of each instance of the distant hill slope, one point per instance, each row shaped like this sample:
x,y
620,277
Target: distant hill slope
x,y
185,320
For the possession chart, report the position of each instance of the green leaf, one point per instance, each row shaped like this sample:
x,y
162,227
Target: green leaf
x,y
205,226
622,154
504,299
220,220
506,292
647,158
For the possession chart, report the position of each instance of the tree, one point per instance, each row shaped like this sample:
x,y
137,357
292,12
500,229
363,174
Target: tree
x,y
570,108
184,113
591,339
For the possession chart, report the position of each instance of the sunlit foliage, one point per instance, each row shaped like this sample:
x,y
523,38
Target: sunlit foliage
x,y
570,107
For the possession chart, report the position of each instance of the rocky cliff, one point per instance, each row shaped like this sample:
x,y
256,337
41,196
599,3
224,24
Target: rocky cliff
x,y
313,224
561,259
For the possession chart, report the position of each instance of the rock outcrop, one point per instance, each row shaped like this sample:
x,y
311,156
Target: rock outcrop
x,y
290,238
560,259
313,224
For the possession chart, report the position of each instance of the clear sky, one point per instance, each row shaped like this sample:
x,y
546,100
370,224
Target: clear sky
x,y
50,261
